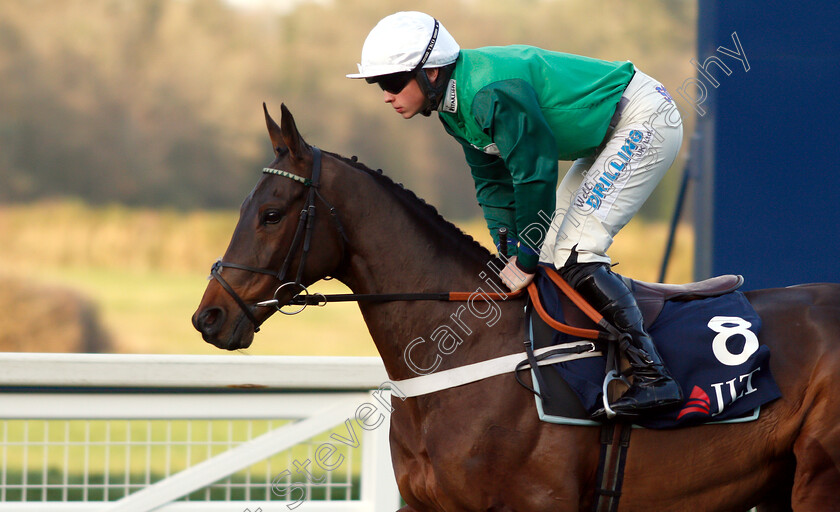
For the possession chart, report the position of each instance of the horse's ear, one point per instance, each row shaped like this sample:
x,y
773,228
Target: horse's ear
x,y
277,143
291,136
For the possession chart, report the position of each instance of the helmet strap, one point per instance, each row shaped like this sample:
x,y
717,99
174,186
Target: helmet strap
x,y
434,92
422,77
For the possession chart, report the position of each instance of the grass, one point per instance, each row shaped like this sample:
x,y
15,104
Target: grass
x,y
149,312
146,271
260,491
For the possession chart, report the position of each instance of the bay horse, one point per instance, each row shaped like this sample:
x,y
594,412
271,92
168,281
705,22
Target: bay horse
x,y
481,447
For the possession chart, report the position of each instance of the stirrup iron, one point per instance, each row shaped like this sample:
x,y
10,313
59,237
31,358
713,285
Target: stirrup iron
x,y
608,379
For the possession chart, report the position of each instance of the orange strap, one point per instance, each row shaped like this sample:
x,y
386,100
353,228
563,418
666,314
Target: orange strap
x,y
561,283
574,296
568,329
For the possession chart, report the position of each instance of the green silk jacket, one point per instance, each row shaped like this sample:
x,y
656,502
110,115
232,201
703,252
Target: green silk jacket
x,y
517,110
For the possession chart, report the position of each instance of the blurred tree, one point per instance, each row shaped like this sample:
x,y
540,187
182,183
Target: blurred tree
x,y
157,102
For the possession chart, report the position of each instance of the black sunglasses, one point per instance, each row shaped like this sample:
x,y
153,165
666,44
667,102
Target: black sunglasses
x,y
393,83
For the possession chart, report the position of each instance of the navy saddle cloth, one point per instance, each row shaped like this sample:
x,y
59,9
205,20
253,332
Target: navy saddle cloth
x,y
710,345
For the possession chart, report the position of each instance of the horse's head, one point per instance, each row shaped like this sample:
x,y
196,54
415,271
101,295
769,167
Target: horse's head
x,y
279,245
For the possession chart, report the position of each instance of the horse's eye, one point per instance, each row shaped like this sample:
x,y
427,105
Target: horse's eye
x,y
272,217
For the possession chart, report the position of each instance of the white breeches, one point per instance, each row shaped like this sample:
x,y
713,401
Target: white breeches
x,y
600,194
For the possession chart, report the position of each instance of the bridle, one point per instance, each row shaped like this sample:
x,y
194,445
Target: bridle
x,y
303,239
303,235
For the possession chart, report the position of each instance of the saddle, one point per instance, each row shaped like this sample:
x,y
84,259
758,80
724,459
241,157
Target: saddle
x,y
651,297
562,400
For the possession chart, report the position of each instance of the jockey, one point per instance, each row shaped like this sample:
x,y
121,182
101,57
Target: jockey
x,y
516,111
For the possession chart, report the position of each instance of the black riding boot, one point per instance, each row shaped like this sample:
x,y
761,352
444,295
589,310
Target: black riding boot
x,y
653,387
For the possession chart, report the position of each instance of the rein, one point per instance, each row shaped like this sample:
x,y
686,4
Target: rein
x,y
302,240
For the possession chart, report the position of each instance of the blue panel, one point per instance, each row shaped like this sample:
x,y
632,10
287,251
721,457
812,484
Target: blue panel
x,y
776,193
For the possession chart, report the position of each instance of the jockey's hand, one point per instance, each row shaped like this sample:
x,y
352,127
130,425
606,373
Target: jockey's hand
x,y
514,277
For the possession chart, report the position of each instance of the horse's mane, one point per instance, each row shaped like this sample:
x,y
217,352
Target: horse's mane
x,y
417,204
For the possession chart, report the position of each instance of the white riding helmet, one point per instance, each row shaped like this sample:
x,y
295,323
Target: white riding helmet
x,y
398,43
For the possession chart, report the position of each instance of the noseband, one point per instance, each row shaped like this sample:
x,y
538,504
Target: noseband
x,y
303,235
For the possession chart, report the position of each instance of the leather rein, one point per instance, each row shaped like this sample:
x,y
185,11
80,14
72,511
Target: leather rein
x,y
302,240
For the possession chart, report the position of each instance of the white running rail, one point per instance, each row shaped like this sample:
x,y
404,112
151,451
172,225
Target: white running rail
x,y
106,432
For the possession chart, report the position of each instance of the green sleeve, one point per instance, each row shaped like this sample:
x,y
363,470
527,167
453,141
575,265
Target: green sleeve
x,y
509,112
493,188
494,191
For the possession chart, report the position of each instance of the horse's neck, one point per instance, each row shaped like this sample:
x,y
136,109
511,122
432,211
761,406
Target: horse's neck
x,y
393,249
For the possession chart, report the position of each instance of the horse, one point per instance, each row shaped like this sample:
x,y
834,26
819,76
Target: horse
x,y
480,446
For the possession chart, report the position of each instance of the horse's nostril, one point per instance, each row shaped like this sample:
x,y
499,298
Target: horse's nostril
x,y
210,320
